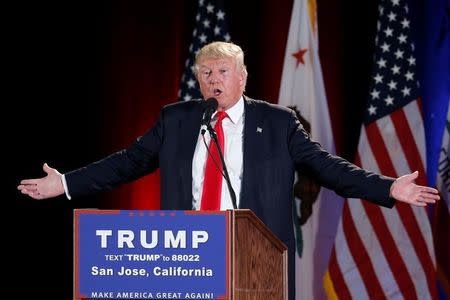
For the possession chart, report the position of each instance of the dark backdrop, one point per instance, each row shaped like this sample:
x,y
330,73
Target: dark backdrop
x,y
84,79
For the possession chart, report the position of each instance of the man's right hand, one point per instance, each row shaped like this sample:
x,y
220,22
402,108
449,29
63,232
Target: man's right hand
x,y
45,187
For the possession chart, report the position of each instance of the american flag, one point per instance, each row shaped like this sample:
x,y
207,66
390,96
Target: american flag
x,y
384,253
210,26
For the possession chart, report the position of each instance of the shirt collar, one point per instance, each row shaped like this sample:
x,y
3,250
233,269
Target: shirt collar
x,y
235,112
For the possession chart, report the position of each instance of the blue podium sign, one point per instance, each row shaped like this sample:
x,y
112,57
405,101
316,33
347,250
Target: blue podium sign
x,y
124,254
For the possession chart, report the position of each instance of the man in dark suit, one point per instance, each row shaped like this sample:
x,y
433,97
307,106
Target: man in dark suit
x,y
263,146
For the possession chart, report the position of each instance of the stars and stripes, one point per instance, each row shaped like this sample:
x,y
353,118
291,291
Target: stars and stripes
x,y
210,25
394,83
384,253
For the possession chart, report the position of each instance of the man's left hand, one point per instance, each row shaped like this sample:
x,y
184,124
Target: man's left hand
x,y
405,190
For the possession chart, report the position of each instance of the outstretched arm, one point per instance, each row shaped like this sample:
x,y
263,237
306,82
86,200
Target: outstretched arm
x,y
405,190
45,187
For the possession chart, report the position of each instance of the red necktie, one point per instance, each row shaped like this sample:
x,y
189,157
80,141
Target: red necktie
x,y
212,182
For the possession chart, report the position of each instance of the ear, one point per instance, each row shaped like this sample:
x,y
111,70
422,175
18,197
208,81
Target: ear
x,y
242,80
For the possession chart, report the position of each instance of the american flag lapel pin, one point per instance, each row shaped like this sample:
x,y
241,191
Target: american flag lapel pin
x,y
258,129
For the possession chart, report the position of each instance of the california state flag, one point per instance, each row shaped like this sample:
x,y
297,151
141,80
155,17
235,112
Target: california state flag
x,y
302,86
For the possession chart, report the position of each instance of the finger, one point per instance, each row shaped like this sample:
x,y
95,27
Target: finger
x,y
414,175
29,193
29,181
430,192
33,194
36,195
31,188
428,200
430,197
426,189
420,202
47,169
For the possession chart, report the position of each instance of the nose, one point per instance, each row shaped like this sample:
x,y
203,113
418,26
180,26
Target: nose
x,y
213,78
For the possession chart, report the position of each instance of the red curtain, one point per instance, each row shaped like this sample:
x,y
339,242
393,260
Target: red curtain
x,y
145,43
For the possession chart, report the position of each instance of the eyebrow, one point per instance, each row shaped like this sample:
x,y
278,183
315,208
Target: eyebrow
x,y
204,67
210,68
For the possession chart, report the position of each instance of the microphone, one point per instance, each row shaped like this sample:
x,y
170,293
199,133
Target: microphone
x,y
210,106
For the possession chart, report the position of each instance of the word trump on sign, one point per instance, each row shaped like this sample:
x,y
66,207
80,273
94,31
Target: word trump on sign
x,y
171,239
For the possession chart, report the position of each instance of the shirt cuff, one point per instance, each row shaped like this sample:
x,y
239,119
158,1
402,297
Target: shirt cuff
x,y
66,189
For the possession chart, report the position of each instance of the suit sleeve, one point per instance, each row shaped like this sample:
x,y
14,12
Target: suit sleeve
x,y
139,159
335,173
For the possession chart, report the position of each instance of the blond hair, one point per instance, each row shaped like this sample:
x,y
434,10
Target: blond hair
x,y
219,50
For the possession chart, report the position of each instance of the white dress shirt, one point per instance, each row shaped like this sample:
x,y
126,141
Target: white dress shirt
x,y
233,127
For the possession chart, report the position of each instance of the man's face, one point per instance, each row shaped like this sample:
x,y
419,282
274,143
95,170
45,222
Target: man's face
x,y
219,78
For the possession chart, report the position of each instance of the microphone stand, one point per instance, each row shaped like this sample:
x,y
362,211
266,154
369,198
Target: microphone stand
x,y
213,135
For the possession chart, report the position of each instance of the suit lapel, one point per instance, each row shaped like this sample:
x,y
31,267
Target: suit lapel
x,y
189,126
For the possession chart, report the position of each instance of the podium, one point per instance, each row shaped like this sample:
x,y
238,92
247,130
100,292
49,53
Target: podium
x,y
177,255
259,260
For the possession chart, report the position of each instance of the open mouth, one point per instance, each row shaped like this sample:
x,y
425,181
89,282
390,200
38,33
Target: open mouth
x,y
217,92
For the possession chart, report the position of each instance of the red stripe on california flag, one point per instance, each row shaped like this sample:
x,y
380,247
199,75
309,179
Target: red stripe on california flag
x,y
360,255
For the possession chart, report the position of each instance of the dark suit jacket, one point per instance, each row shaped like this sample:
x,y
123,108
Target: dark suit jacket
x,y
271,155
